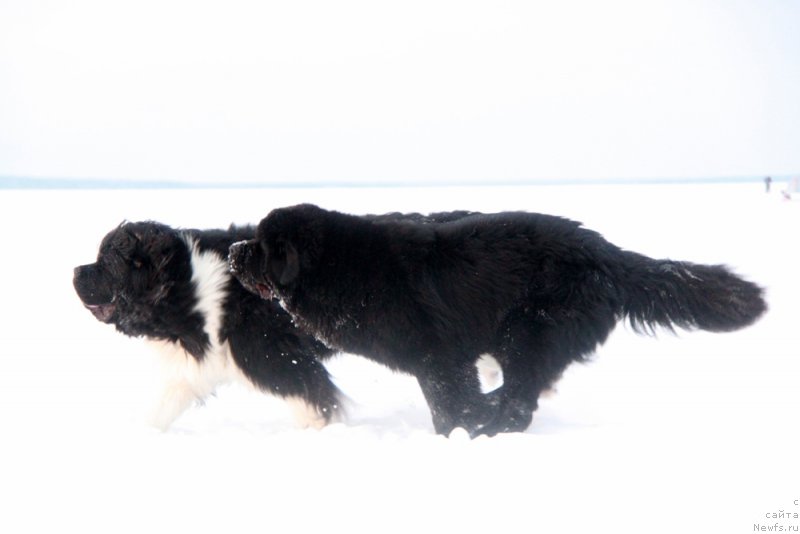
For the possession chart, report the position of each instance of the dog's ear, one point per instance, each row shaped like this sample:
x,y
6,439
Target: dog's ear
x,y
292,266
293,243
284,262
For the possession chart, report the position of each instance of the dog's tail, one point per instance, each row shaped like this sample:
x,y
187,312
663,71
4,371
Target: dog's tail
x,y
691,296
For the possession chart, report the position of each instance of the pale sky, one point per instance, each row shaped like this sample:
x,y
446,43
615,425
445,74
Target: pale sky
x,y
373,91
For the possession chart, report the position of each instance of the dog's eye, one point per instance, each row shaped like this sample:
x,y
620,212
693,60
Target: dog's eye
x,y
137,263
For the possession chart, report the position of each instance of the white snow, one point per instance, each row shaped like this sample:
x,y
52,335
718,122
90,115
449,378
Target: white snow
x,y
690,433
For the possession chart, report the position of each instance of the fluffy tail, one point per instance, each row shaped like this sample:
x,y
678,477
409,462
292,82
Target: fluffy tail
x,y
672,293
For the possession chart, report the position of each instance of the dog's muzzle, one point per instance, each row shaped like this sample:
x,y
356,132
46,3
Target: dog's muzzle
x,y
98,302
239,255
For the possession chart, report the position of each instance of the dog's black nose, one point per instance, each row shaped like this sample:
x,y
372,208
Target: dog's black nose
x,y
80,273
237,257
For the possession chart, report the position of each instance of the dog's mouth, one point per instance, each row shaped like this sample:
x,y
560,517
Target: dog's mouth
x,y
102,312
264,291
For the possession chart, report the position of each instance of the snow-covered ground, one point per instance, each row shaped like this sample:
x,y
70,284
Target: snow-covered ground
x,y
689,433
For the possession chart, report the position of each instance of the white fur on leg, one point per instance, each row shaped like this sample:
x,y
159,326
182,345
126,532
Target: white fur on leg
x,y
305,415
186,379
175,399
490,373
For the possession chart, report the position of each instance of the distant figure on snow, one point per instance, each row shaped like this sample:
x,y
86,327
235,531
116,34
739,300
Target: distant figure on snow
x,y
768,182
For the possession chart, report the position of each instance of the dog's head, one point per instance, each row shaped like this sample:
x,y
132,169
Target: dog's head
x,y
138,267
287,245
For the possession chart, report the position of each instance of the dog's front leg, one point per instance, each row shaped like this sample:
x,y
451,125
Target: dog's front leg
x,y
176,397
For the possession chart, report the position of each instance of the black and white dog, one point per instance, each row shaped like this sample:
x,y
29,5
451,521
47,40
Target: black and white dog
x,y
173,287
536,292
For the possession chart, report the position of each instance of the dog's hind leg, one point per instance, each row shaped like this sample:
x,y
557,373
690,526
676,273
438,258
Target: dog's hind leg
x,y
453,393
533,355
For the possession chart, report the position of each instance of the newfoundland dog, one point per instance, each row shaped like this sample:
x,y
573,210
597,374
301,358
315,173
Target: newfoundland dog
x,y
536,292
174,288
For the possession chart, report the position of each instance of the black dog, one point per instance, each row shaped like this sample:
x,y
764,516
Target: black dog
x,y
537,292
174,288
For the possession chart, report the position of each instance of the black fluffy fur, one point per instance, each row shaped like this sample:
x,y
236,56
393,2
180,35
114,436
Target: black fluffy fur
x,y
535,291
142,283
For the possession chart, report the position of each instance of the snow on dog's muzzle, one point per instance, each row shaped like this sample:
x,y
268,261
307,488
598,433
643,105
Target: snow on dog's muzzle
x,y
238,254
240,258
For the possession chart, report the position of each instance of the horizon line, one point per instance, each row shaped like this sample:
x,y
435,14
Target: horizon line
x,y
24,182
